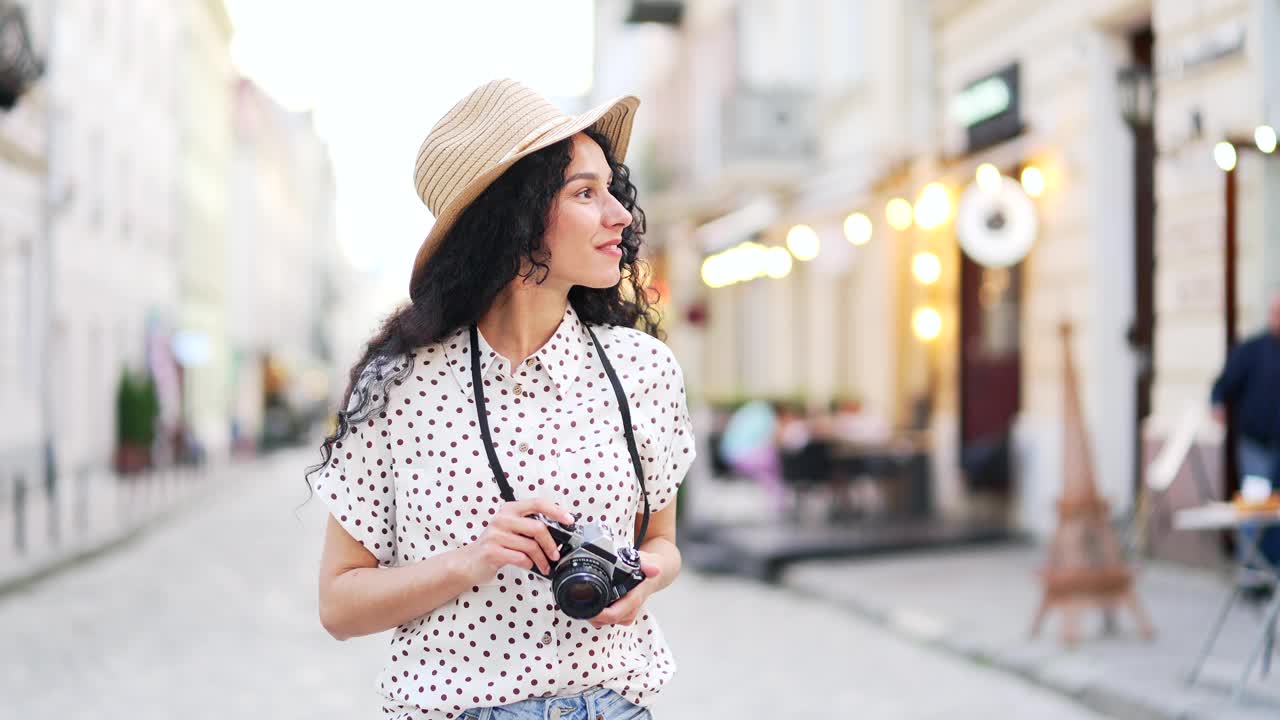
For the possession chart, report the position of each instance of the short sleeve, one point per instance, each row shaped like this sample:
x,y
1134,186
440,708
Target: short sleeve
x,y
357,484
663,414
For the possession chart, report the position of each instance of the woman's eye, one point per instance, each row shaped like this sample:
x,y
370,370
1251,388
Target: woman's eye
x,y
584,192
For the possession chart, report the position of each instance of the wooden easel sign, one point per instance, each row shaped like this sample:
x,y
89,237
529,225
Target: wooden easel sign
x,y
1085,568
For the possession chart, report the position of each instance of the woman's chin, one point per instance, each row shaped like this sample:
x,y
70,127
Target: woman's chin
x,y
602,280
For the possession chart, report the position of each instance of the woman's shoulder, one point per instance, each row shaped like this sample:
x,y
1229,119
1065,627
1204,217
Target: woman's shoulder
x,y
642,359
391,372
635,346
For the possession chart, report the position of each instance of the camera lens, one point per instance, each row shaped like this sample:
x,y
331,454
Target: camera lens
x,y
581,587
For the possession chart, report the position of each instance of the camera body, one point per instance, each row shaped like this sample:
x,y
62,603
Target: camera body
x,y
593,571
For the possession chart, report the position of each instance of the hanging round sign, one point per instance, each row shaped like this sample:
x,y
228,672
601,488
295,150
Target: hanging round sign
x,y
996,228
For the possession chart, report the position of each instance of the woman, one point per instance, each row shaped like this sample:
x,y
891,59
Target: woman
x,y
533,262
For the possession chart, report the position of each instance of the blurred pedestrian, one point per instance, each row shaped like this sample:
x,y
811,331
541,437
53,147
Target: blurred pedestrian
x,y
1249,387
511,394
749,446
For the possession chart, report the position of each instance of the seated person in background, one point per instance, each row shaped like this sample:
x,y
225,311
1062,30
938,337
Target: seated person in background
x,y
793,430
855,425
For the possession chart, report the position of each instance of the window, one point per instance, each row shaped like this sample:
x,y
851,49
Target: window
x,y
776,45
844,46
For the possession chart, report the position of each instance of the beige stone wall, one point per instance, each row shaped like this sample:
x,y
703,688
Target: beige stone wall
x,y
1080,269
1190,343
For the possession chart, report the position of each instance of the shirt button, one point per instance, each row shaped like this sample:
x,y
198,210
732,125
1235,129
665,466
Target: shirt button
x,y
519,389
546,638
530,362
524,447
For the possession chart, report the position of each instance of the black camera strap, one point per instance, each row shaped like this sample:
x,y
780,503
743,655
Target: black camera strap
x,y
496,466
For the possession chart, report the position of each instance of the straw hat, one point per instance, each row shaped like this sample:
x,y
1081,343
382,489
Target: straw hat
x,y
487,132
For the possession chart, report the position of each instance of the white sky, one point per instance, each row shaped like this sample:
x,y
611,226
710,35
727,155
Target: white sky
x,y
378,79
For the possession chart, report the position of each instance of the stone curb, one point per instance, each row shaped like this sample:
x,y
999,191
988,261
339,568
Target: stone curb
x,y
928,633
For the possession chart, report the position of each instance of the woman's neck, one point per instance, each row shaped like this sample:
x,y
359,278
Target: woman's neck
x,y
522,319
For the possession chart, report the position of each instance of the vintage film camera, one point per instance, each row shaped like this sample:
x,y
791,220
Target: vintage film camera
x,y
593,572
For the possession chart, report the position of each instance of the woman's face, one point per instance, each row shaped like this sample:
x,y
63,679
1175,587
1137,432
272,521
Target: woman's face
x,y
586,223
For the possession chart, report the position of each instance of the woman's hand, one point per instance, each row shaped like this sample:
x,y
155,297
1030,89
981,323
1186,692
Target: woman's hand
x,y
514,539
629,606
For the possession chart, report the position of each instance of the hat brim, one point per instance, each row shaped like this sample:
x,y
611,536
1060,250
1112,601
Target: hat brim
x,y
612,118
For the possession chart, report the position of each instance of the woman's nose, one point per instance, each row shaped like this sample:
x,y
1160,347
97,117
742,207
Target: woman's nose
x,y
617,213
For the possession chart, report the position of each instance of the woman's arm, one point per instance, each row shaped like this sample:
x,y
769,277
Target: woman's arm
x,y
359,598
660,541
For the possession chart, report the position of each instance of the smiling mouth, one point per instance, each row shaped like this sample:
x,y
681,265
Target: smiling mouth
x,y
611,248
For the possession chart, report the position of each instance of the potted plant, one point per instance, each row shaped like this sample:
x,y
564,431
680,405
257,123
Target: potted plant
x,y
137,407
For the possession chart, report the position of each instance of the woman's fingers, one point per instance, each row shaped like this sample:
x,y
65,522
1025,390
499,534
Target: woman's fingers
x,y
529,548
531,506
539,532
515,557
528,537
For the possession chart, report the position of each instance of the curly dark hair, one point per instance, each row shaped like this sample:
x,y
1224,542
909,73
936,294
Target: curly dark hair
x,y
496,239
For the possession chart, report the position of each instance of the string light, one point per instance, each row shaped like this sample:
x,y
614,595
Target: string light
x,y
1224,153
898,213
926,267
927,324
803,242
989,178
1033,181
933,207
857,228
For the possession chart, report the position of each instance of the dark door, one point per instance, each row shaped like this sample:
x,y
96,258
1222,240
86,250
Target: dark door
x,y
990,371
1142,333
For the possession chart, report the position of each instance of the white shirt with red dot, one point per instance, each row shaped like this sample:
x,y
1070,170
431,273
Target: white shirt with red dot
x,y
414,481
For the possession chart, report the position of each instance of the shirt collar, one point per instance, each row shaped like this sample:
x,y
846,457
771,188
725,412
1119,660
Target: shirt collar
x,y
561,357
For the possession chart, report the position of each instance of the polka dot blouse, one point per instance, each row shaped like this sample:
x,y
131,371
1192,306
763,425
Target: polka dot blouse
x,y
414,481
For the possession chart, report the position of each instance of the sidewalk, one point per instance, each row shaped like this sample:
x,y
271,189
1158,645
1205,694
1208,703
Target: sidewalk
x,y
94,513
978,604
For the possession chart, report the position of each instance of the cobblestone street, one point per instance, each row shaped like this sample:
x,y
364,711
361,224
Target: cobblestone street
x,y
212,615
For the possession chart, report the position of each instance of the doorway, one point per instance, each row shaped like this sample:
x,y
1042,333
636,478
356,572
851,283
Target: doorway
x,y
1141,334
990,373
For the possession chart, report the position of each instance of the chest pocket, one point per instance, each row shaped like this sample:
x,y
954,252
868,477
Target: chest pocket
x,y
593,476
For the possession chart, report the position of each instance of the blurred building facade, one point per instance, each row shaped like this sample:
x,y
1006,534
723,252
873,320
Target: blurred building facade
x,y
205,119
769,115
24,259
285,261
159,216
113,223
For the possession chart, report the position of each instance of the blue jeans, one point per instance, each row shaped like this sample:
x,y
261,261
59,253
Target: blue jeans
x,y
590,705
1254,458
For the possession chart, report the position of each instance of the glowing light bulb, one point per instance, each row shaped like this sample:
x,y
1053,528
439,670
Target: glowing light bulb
x,y
777,262
926,267
1224,153
857,228
1033,181
803,242
927,323
1265,137
898,213
933,207
989,178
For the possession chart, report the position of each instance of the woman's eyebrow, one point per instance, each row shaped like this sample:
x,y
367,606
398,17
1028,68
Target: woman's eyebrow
x,y
581,176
